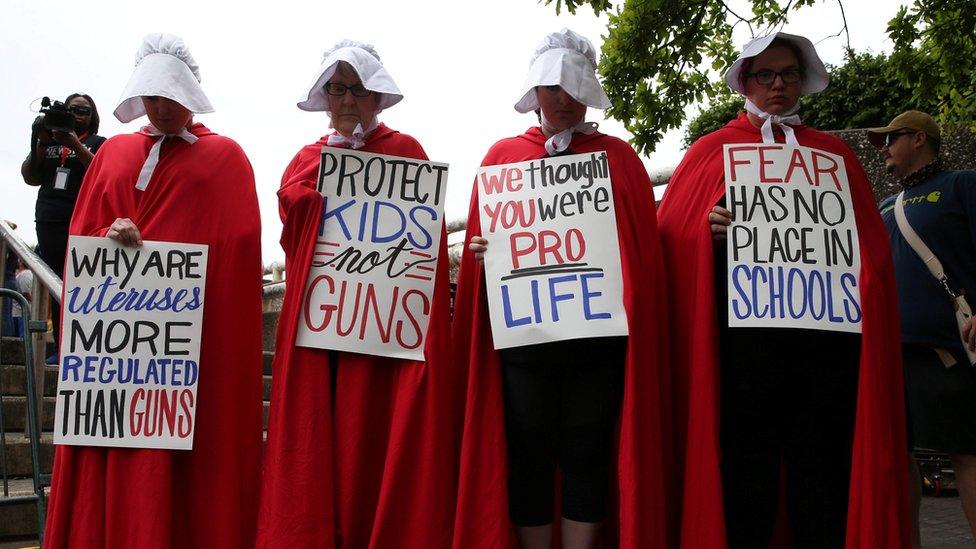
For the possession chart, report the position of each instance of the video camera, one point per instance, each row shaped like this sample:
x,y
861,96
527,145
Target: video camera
x,y
55,116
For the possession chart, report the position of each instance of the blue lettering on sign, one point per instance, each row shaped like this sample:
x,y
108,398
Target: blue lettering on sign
x,y
375,237
555,298
108,369
388,222
588,314
336,213
772,292
556,295
507,305
428,240
105,298
848,282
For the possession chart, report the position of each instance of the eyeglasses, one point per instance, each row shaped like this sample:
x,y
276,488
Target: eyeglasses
x,y
766,77
335,88
80,109
890,138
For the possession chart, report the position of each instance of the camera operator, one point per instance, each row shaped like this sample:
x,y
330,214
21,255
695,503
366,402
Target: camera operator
x,y
57,164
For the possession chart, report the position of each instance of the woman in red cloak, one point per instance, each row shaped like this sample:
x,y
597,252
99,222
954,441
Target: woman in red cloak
x,y
597,408
176,181
823,410
361,449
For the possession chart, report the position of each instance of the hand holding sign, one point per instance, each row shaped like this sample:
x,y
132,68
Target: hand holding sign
x,y
125,232
478,245
719,220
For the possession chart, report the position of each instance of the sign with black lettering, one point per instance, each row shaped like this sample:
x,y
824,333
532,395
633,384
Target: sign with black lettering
x,y
130,344
793,254
553,263
371,283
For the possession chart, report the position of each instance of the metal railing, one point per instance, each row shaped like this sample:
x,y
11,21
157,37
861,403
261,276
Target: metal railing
x,y
47,286
32,426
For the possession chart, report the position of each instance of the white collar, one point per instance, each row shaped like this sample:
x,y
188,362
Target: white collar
x,y
149,166
560,141
358,138
779,120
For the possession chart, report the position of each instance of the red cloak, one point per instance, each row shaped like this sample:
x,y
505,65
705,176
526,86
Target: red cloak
x,y
376,468
878,504
206,497
642,494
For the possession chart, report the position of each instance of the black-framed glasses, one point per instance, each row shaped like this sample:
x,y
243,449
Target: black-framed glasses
x,y
80,110
766,77
335,88
890,138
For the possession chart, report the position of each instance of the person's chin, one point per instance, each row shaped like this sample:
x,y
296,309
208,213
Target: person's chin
x,y
563,124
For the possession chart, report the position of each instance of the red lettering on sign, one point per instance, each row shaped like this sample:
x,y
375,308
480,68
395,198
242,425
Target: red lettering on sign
x,y
733,162
830,169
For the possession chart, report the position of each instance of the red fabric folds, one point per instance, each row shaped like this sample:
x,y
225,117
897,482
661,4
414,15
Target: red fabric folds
x,y
377,467
642,494
206,497
877,514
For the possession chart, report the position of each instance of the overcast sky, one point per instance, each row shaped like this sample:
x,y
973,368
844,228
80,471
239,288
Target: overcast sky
x,y
459,63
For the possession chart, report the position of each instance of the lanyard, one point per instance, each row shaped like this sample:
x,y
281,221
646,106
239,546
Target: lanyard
x,y
65,152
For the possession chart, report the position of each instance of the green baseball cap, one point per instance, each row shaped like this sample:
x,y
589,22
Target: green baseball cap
x,y
916,121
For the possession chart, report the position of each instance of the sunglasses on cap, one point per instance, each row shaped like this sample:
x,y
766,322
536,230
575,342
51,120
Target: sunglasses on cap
x,y
890,138
80,109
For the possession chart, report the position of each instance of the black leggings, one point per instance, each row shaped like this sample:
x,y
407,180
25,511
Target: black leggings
x,y
52,243
788,399
561,406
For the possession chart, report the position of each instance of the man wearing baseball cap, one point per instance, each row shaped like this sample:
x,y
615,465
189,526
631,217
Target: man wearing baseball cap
x,y
939,225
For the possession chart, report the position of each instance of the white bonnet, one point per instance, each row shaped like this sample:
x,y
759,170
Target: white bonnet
x,y
164,68
568,60
366,62
815,78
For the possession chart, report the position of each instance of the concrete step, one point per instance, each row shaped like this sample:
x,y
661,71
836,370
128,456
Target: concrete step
x,y
15,412
19,521
274,295
18,454
12,350
270,323
13,380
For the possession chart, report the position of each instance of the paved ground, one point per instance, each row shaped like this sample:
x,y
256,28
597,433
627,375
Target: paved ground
x,y
943,524
942,521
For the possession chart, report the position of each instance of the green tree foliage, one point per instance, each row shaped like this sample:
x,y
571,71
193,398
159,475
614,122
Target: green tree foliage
x,y
720,111
660,56
935,54
864,92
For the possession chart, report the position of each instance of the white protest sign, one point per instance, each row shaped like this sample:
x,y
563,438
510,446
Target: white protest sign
x,y
371,283
553,263
130,344
793,254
